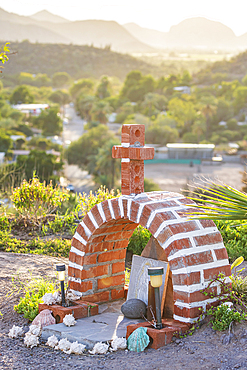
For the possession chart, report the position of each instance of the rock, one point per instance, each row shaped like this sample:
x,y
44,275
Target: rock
x,y
134,308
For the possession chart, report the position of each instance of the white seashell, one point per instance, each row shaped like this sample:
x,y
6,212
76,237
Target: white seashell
x,y
15,331
52,341
31,340
118,343
69,320
71,296
63,345
44,318
35,330
99,348
57,297
77,348
49,299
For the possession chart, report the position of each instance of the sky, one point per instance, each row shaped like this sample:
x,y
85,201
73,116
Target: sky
x,y
154,14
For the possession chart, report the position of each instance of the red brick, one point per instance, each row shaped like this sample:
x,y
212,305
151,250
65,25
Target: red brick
x,y
115,228
134,211
125,207
90,259
81,231
207,223
118,267
162,204
215,271
96,215
112,255
97,297
101,230
106,210
187,279
88,223
94,272
111,281
75,258
121,244
187,312
117,293
208,239
165,234
116,208
119,235
157,221
146,212
183,227
97,239
85,286
177,245
221,254
192,260
186,201
74,272
197,296
130,226
77,244
100,247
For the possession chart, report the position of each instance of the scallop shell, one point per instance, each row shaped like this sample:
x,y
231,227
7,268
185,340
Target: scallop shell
x,y
44,318
138,340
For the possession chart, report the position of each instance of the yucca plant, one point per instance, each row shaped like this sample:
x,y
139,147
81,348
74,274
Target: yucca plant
x,y
216,201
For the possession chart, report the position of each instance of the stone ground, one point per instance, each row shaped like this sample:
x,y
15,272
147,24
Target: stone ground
x,y
202,350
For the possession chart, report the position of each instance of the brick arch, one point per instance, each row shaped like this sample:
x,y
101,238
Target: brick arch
x,y
194,249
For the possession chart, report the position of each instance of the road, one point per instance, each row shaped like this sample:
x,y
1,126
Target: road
x,y
81,180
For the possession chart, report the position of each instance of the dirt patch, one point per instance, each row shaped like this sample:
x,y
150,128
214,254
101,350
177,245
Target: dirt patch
x,y
205,349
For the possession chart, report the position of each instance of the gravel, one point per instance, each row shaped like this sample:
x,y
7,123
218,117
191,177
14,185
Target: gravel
x,y
202,350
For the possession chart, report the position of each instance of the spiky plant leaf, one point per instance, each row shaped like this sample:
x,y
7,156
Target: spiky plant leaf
x,y
218,202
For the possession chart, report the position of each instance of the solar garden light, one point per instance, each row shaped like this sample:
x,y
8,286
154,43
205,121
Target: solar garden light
x,y
155,274
61,277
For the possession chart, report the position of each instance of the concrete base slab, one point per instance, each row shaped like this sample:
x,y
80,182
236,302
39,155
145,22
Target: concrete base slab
x,y
90,330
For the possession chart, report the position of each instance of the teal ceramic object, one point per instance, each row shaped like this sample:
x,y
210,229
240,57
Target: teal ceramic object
x,y
138,340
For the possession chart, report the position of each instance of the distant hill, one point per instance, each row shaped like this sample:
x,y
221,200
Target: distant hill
x,y
45,16
96,32
78,61
196,32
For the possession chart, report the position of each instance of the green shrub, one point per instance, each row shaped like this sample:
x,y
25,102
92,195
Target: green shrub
x,y
33,292
222,317
234,238
138,240
35,200
55,247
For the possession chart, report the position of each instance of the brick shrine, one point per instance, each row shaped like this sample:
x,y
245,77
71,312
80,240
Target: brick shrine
x,y
193,248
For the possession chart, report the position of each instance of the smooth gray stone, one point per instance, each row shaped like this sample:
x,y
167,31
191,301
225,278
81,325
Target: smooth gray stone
x,y
134,308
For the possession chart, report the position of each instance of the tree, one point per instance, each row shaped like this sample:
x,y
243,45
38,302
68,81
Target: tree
x,y
60,97
184,112
100,110
103,90
5,142
83,152
60,79
49,121
84,85
107,169
154,103
84,104
21,95
240,95
44,165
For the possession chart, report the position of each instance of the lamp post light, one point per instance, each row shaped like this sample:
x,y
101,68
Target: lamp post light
x,y
61,277
155,274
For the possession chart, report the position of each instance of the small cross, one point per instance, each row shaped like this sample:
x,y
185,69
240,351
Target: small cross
x,y
133,153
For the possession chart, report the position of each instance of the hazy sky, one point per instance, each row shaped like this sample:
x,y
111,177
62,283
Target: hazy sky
x,y
156,14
